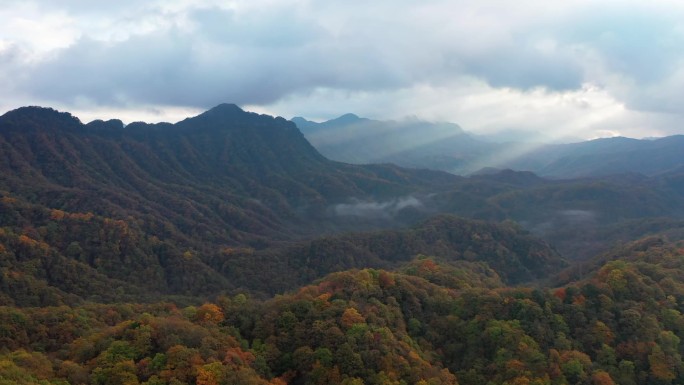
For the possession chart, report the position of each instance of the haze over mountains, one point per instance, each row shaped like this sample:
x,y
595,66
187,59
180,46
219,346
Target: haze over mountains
x,y
320,271
409,143
446,146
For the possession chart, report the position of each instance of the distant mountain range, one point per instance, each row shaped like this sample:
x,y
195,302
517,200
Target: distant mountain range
x,y
230,200
409,143
605,157
446,146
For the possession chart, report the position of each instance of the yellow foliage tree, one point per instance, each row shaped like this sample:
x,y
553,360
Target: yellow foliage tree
x,y
350,317
209,313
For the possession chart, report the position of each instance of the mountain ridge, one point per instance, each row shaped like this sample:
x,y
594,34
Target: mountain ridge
x,y
318,271
422,144
233,180
226,179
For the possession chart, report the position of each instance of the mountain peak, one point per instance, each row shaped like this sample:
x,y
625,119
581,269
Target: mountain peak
x,y
226,108
348,118
111,124
299,119
39,117
37,111
222,114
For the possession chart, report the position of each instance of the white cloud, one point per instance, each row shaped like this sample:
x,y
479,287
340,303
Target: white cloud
x,y
581,67
372,209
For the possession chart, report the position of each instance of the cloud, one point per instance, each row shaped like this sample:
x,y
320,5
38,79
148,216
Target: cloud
x,y
377,210
275,29
586,65
526,68
218,56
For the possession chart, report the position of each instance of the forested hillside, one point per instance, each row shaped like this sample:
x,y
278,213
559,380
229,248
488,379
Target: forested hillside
x,y
224,249
225,174
429,322
53,257
229,178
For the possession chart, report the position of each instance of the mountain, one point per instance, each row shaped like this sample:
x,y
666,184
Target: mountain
x,y
605,157
580,217
409,143
445,146
224,249
231,200
309,127
233,178
143,207
223,200
227,174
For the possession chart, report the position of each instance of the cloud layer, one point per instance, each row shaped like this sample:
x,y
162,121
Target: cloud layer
x,y
580,68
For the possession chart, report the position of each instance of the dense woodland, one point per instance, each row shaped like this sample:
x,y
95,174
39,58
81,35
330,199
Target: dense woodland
x,y
225,250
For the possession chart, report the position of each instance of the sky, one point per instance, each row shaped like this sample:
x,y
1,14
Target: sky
x,y
567,69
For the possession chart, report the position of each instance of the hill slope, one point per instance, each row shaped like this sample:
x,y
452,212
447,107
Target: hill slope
x,y
213,203
430,322
231,199
605,157
513,254
229,175
408,143
445,146
230,206
52,257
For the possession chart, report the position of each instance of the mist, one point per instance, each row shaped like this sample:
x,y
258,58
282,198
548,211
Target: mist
x,y
377,210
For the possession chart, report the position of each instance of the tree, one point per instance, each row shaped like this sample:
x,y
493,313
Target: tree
x,y
208,314
662,367
350,317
